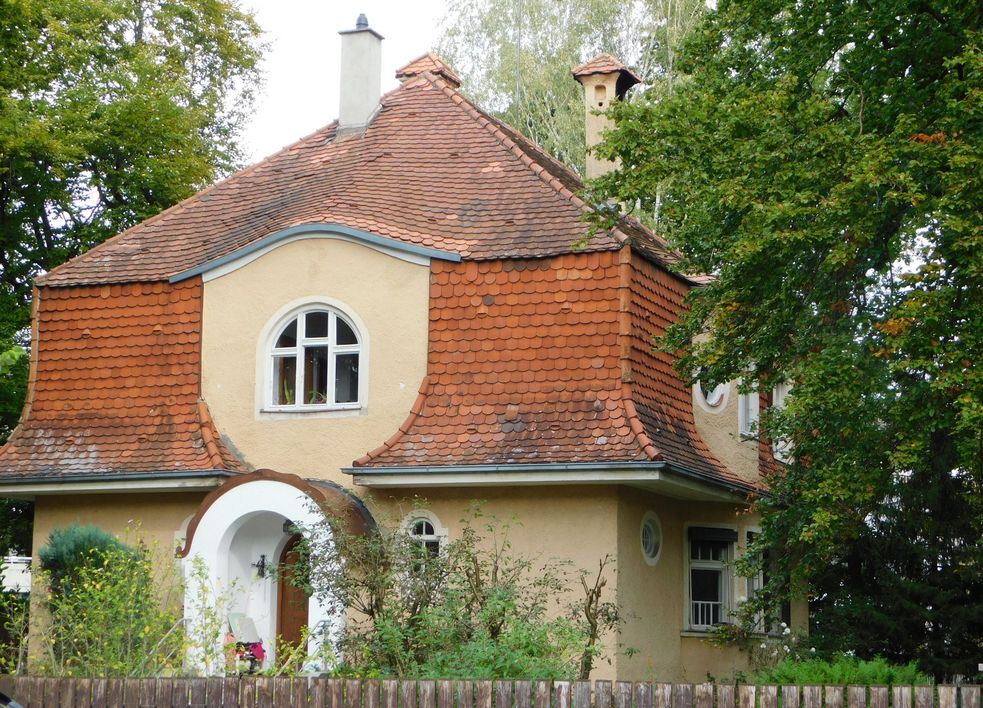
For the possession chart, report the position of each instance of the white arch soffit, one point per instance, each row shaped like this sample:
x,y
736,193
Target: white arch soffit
x,y
213,538
245,259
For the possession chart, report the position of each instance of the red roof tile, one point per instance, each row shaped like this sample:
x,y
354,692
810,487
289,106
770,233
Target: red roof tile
x,y
524,367
431,63
117,385
664,402
431,170
548,361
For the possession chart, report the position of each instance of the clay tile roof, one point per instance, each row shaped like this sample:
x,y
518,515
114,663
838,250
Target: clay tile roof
x,y
117,386
604,63
431,63
431,170
549,361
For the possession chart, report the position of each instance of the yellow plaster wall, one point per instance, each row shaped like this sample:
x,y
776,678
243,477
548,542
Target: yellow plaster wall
x,y
154,518
390,296
719,429
568,523
655,595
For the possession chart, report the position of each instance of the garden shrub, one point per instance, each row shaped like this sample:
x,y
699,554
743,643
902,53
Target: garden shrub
x,y
14,615
843,669
73,547
109,615
477,609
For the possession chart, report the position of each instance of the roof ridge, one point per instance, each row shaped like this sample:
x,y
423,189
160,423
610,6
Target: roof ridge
x,y
183,204
492,125
421,399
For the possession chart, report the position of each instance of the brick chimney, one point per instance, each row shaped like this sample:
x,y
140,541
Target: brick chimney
x,y
604,79
361,76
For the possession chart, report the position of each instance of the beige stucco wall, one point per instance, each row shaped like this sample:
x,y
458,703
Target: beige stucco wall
x,y
718,426
387,296
157,519
664,650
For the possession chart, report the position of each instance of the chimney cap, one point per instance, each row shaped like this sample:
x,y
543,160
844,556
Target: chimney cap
x,y
362,25
605,63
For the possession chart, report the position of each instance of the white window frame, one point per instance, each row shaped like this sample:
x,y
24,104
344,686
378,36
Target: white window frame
x,y
748,414
271,353
781,449
651,519
439,534
726,578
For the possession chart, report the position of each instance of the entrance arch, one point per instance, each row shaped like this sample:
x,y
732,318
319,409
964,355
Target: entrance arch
x,y
235,539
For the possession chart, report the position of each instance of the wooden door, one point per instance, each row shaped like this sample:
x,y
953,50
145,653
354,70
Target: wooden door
x,y
292,601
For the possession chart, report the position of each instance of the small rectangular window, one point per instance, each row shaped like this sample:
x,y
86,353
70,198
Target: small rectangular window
x,y
315,375
284,379
346,378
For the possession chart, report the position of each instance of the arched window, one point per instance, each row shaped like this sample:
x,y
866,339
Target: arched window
x,y
424,528
315,362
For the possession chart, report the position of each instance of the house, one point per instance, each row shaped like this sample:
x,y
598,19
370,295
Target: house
x,y
393,307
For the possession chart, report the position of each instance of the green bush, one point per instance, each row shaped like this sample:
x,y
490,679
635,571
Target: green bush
x,y
73,547
14,614
843,669
107,615
477,609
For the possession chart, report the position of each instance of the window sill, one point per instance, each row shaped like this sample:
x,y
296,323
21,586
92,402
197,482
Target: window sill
x,y
698,633
314,412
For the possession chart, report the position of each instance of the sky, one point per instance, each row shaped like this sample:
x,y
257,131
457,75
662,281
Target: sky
x,y
301,67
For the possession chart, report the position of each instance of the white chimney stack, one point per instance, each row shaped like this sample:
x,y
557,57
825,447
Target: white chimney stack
x,y
361,76
605,79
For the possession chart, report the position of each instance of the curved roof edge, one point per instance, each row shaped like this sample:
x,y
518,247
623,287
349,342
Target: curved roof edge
x,y
356,235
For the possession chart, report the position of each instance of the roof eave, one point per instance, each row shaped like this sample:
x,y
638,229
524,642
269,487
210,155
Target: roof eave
x,y
32,485
661,476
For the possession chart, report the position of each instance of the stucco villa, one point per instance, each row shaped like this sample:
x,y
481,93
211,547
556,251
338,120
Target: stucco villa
x,y
393,307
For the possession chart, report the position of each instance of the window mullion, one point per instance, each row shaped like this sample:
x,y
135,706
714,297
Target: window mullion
x,y
332,338
301,362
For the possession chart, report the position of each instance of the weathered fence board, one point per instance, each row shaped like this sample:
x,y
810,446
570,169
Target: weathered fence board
x,y
303,692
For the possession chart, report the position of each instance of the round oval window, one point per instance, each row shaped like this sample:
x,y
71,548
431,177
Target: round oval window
x,y
651,538
713,396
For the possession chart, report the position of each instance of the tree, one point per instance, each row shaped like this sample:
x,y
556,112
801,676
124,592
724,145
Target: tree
x,y
110,111
517,56
822,162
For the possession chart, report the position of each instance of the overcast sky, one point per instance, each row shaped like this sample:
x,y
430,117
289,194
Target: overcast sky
x,y
301,67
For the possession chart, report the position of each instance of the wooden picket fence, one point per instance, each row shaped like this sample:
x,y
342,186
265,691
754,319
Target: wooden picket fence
x,y
351,693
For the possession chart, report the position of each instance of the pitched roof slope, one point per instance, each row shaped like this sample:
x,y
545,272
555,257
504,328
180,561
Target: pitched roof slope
x,y
431,170
117,386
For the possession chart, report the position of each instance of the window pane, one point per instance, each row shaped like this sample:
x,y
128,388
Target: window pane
x,y
315,375
346,378
705,584
288,337
345,334
284,376
316,325
708,550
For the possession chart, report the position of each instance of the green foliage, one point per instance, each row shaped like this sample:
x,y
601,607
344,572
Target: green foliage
x,y
14,616
72,549
477,609
114,619
516,57
842,670
822,162
110,111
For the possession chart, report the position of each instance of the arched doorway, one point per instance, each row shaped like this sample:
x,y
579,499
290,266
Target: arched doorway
x,y
239,532
292,601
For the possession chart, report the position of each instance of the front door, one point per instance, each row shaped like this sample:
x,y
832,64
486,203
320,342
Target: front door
x,y
292,600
